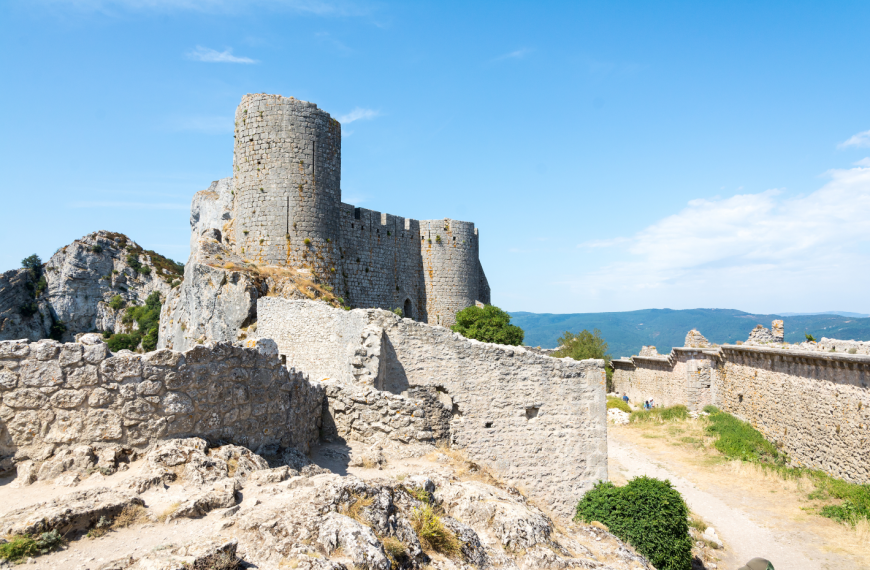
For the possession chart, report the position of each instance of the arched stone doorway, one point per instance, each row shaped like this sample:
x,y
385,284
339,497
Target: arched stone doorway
x,y
408,309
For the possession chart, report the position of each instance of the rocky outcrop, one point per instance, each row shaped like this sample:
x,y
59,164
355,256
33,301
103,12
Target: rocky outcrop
x,y
81,280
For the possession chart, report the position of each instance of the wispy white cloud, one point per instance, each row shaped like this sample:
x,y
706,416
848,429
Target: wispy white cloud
x,y
132,205
213,56
746,249
861,139
516,54
357,115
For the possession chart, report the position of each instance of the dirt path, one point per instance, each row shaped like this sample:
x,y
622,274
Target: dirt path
x,y
745,534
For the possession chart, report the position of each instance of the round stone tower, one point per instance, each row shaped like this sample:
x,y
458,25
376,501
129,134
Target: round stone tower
x,y
287,172
450,268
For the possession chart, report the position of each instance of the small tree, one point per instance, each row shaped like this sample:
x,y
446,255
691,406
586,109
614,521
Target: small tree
x,y
585,345
34,264
487,324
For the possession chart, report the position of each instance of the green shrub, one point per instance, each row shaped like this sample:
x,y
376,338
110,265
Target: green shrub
x,y
123,341
487,324
58,328
809,337
432,532
27,310
584,345
116,302
672,413
20,547
133,262
33,264
647,513
618,403
398,311
145,270
149,342
96,248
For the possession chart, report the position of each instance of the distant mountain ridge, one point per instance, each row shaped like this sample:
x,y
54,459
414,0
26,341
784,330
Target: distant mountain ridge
x,y
627,332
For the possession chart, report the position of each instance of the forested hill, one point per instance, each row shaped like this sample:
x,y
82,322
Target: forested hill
x,y
626,332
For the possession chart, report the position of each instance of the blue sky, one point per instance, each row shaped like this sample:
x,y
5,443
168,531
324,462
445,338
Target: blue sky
x,y
615,155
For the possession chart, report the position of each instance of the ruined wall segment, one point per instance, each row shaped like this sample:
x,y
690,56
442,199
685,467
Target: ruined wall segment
x,y
287,183
58,396
538,421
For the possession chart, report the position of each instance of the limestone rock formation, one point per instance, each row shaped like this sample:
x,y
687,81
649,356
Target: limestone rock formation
x,y
440,511
80,281
694,339
648,351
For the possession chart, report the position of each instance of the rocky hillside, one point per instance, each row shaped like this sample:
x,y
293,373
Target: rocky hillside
x,y
73,292
188,505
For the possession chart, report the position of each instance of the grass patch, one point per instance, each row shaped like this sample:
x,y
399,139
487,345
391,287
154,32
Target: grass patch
x,y
355,507
739,440
618,403
20,547
434,536
396,551
660,415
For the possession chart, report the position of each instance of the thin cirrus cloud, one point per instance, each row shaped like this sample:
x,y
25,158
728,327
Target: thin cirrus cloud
x,y
859,140
357,115
770,247
209,55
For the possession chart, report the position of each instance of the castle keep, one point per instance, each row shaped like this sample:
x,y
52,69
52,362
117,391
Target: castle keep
x,y
287,211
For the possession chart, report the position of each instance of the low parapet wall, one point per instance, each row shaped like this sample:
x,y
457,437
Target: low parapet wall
x,y
57,396
538,421
814,405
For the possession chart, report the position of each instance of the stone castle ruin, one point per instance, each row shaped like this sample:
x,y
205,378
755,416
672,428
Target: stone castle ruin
x,y
811,399
287,211
259,345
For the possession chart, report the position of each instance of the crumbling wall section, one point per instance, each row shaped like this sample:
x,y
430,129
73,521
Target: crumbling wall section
x,y
58,396
538,421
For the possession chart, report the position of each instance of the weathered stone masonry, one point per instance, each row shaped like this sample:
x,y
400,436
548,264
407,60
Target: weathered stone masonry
x,y
815,405
538,421
287,211
58,396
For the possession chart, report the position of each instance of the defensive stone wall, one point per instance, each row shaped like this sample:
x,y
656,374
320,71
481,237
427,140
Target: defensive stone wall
x,y
381,262
58,396
538,421
815,405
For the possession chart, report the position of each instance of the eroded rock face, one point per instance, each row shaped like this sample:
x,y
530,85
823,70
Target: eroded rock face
x,y
82,278
695,339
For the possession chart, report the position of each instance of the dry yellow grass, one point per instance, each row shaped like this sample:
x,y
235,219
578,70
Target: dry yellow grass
x,y
167,512
354,508
131,515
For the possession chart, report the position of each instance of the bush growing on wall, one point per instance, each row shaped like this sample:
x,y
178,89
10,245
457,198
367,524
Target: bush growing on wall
x,y
647,513
487,324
